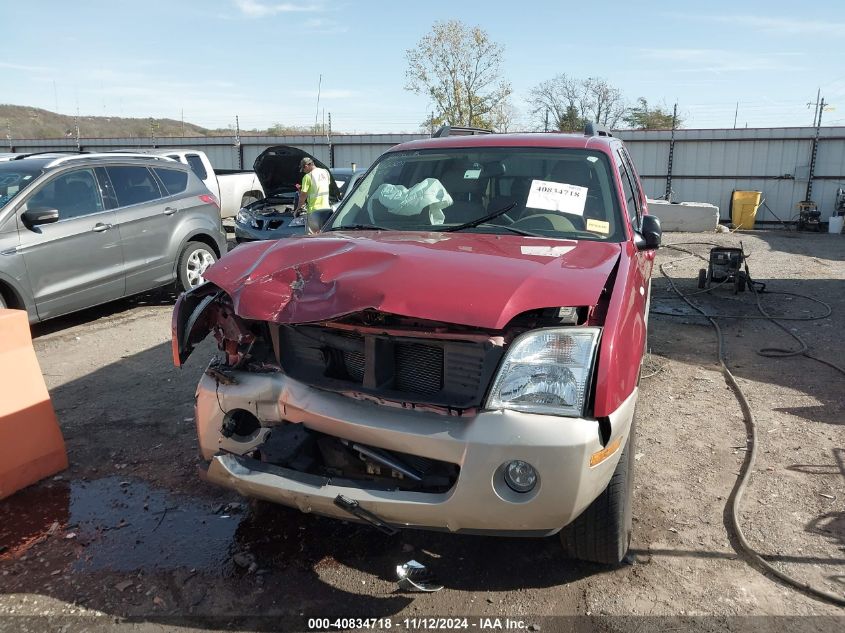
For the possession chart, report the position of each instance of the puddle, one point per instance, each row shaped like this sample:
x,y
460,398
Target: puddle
x,y
123,524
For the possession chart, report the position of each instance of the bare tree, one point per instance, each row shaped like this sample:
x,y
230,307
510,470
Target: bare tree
x,y
505,117
459,68
569,103
604,104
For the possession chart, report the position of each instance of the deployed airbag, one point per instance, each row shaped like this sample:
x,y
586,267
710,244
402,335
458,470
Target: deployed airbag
x,y
400,200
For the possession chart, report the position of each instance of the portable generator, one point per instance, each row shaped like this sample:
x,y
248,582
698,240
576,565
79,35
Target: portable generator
x,y
724,267
809,216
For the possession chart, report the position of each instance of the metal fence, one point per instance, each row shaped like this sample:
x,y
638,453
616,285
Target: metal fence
x,y
707,165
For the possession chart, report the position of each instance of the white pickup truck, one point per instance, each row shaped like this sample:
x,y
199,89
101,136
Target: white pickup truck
x,y
234,188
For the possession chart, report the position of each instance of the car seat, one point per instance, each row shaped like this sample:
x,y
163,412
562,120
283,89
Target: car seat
x,y
581,174
518,195
466,194
75,198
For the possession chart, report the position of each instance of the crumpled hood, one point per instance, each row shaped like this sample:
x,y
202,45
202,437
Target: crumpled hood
x,y
463,278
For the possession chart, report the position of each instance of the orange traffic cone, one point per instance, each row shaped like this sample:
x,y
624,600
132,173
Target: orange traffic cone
x,y
31,444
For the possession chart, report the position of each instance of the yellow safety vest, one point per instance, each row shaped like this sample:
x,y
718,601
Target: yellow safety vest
x,y
316,186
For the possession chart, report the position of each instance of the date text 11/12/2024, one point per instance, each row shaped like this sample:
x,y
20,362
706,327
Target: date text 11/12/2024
x,y
419,623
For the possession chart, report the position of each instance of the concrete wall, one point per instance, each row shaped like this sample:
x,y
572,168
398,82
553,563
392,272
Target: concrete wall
x,y
707,166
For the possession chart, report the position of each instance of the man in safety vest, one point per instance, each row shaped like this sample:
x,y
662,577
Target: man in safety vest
x,y
314,191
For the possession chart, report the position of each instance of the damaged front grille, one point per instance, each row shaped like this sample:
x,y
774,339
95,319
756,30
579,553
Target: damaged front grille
x,y
298,448
447,373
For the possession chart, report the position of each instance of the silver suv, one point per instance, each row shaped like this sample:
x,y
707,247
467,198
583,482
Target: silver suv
x,y
78,230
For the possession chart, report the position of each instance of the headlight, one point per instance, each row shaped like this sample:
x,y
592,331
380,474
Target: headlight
x,y
300,221
243,217
547,371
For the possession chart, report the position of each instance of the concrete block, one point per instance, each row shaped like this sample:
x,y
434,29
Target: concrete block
x,y
685,216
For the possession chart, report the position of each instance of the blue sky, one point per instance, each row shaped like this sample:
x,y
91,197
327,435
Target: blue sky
x,y
262,59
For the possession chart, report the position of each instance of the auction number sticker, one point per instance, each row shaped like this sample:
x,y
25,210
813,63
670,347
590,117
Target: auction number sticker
x,y
557,196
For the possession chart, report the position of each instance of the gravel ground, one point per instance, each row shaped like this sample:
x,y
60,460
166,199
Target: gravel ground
x,y
130,534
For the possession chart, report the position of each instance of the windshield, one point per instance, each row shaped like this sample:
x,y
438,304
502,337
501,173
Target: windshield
x,y
15,176
547,192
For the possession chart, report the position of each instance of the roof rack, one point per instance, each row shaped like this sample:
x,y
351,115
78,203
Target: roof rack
x,y
52,151
592,129
108,156
454,130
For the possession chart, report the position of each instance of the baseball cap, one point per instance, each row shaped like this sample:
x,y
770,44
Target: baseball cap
x,y
305,161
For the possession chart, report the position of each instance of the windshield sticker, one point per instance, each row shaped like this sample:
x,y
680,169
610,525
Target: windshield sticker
x,y
598,226
545,251
472,174
557,196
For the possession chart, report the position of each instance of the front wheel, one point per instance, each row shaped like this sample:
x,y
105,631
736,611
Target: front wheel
x,y
602,533
196,257
2,302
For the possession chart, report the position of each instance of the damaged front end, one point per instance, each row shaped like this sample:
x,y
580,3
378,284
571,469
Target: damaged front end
x,y
369,357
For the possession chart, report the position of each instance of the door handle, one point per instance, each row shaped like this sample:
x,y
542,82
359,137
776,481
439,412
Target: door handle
x,y
99,227
170,210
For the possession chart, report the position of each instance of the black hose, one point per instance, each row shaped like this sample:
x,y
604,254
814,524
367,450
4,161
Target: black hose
x,y
751,428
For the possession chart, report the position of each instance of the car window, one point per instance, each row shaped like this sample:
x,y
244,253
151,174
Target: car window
x,y
74,194
133,184
196,164
631,199
174,180
554,192
15,176
626,157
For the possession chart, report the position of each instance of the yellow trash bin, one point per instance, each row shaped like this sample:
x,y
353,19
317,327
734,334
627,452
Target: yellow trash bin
x,y
744,206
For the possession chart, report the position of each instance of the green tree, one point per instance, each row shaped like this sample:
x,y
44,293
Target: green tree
x,y
643,117
459,69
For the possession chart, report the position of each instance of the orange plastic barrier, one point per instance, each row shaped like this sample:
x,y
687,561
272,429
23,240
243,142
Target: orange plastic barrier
x,y
31,444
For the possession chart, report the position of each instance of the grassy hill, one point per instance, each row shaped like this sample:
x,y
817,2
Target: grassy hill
x,y
25,122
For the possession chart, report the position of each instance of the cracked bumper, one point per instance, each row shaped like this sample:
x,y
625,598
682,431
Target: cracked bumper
x,y
480,501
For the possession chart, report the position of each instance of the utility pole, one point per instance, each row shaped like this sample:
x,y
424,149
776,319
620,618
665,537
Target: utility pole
x,y
238,147
815,106
546,126
56,96
814,152
431,123
329,139
668,195
76,125
736,113
316,115
182,112
9,134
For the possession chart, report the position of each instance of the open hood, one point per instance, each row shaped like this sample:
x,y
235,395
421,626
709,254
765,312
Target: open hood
x,y
277,168
463,278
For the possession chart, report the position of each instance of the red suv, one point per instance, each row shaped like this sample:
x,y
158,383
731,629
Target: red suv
x,y
457,347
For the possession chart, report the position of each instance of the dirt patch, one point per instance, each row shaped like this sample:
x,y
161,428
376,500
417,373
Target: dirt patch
x,y
131,531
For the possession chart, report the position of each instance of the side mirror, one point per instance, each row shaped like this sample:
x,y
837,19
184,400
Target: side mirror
x,y
34,217
650,233
316,220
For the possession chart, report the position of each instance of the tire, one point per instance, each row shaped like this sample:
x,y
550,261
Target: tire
x,y
193,261
602,533
2,302
702,277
